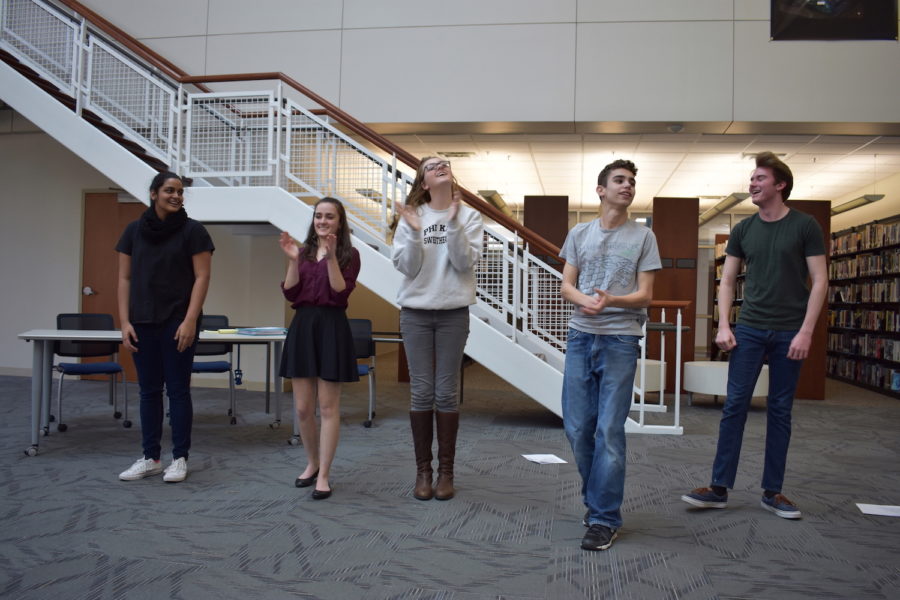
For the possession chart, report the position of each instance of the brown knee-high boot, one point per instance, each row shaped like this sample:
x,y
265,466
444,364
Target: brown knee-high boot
x,y
447,426
422,423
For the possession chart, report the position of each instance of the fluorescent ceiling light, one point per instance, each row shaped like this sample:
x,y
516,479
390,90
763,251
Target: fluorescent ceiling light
x,y
494,197
856,203
726,204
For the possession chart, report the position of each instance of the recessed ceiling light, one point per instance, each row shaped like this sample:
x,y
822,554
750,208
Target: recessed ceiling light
x,y
456,154
753,154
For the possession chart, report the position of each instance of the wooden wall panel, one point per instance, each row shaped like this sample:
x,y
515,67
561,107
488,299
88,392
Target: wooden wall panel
x,y
812,376
548,216
675,226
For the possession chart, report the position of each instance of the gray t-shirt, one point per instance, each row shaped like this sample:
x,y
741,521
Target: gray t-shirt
x,y
610,259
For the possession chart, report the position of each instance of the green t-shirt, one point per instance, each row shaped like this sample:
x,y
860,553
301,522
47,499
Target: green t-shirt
x,y
776,287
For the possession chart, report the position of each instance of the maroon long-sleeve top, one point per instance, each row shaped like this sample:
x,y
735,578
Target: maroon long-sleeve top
x,y
314,288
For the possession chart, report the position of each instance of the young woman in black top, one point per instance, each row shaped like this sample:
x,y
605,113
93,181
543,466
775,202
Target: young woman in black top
x,y
164,268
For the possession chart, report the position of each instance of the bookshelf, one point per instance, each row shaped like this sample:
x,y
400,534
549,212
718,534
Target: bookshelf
x,y
864,306
721,241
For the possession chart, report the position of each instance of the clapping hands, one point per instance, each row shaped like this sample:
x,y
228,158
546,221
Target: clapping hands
x,y
454,203
409,214
328,244
289,246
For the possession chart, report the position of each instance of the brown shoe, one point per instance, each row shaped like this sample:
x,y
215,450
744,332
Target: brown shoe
x,y
447,427
422,424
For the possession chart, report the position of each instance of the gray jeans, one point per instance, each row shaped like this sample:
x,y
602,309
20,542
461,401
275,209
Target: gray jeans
x,y
434,341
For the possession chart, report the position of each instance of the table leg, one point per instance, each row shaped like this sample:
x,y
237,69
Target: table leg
x,y
268,374
279,383
37,369
46,384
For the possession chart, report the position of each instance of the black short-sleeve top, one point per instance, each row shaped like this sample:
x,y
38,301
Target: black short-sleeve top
x,y
162,270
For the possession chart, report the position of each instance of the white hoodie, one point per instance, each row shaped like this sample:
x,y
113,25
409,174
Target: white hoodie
x,y
438,262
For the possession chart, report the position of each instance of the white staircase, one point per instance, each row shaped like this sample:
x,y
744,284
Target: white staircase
x,y
255,157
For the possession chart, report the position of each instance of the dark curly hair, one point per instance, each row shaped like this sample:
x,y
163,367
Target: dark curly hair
x,y
621,163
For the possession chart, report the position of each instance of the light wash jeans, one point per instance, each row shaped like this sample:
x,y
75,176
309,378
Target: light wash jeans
x,y
597,390
744,366
434,341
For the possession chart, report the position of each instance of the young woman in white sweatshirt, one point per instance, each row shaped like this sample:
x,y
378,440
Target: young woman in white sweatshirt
x,y
437,244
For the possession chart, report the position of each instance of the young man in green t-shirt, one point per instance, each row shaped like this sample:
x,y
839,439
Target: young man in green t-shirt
x,y
782,249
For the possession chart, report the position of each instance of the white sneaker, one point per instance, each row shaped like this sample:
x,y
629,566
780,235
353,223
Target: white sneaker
x,y
177,471
142,467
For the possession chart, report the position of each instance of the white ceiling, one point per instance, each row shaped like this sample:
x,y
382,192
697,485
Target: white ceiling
x,y
710,166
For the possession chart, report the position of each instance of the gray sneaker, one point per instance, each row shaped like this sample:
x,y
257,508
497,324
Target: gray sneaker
x,y
177,471
142,467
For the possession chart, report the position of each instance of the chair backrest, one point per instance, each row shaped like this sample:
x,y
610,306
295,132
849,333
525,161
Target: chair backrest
x,y
213,322
363,344
82,321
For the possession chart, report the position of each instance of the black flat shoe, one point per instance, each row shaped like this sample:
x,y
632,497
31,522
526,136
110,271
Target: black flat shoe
x,y
318,495
306,481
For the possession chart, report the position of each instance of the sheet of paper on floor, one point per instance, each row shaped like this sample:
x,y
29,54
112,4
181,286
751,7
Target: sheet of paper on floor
x,y
884,510
544,459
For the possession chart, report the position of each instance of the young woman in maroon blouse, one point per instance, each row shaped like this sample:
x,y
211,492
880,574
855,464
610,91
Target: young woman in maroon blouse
x,y
318,351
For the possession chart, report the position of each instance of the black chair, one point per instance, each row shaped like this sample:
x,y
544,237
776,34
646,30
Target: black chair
x,y
214,322
73,349
364,348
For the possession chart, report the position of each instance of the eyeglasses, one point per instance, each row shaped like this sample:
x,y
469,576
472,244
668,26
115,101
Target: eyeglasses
x,y
443,164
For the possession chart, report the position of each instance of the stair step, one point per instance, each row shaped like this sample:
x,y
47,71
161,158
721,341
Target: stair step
x,y
91,117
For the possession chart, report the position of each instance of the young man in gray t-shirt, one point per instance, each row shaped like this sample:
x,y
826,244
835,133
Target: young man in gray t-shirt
x,y
608,276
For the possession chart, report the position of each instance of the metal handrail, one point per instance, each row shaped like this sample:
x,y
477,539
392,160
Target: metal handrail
x,y
541,245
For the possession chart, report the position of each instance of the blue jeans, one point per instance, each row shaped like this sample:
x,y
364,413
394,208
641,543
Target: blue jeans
x,y
744,366
159,364
598,384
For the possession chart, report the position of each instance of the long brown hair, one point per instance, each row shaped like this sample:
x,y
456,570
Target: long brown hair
x,y
344,250
418,195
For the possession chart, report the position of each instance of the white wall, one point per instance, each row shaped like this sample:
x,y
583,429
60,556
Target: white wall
x,y
41,246
40,236
397,61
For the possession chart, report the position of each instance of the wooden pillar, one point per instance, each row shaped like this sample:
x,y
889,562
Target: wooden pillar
x,y
811,385
548,216
676,229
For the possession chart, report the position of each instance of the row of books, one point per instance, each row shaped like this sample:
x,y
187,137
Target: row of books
x,y
868,345
868,373
872,320
881,290
720,249
867,237
720,268
880,263
735,313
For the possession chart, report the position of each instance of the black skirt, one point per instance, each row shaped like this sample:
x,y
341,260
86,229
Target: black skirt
x,y
319,344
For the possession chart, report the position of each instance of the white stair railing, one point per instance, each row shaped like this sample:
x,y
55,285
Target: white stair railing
x,y
262,138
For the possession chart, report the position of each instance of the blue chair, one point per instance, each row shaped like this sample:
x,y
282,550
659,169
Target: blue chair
x,y
71,349
364,348
214,322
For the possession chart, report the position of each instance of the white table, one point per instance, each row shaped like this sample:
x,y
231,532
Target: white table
x,y
42,365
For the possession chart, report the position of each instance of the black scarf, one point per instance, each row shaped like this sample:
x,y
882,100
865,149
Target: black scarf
x,y
155,229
